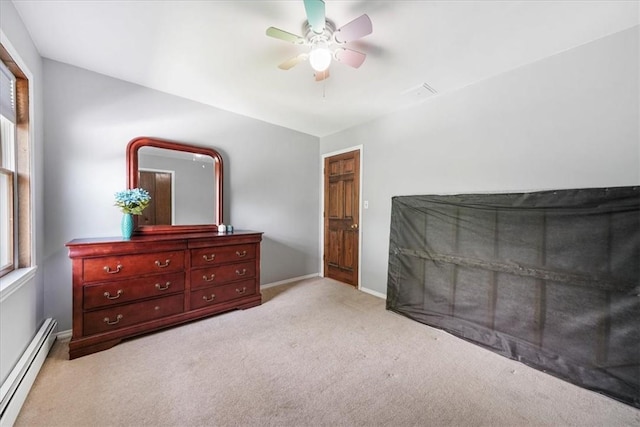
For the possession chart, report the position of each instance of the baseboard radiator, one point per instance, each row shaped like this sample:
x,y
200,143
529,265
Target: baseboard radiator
x,y
15,388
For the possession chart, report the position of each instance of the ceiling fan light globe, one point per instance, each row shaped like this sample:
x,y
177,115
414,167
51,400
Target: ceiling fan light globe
x,y
320,58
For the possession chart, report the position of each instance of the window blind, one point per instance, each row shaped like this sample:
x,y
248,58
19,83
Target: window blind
x,y
7,93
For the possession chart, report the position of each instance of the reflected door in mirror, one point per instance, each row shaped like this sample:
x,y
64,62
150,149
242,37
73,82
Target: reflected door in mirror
x,y
159,211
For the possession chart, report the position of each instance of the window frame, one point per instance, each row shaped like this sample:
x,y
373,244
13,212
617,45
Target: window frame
x,y
23,214
10,197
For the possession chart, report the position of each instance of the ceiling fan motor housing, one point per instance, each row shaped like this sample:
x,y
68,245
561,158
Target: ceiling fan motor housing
x,y
326,36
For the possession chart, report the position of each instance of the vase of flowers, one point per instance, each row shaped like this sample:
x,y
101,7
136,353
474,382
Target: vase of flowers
x,y
131,202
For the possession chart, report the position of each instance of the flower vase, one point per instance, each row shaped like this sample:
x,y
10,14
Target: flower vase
x,y
127,226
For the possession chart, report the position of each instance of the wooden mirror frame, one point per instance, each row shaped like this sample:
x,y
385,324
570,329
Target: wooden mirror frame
x,y
133,182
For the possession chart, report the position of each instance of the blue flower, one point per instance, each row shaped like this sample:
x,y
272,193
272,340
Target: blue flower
x,y
132,201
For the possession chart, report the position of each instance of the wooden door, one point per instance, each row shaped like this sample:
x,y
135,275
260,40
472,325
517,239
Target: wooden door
x,y
158,184
341,216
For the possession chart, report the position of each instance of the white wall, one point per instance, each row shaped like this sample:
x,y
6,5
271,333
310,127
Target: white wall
x,y
21,313
271,173
568,121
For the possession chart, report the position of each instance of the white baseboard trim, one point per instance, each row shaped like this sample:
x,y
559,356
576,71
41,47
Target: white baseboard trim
x,y
374,293
310,276
63,335
15,388
293,279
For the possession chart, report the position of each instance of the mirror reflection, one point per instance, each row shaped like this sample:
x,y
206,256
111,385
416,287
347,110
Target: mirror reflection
x,y
181,184
185,183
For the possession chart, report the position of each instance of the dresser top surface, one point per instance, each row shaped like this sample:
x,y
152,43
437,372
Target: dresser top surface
x,y
144,238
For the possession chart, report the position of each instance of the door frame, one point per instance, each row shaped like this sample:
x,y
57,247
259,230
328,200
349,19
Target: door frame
x,y
360,149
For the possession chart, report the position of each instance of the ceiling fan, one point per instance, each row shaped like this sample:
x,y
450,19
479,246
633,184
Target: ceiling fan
x,y
321,35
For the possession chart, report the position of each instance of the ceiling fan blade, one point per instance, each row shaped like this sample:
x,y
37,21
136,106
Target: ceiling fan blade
x,y
354,30
290,63
283,35
315,15
350,57
321,75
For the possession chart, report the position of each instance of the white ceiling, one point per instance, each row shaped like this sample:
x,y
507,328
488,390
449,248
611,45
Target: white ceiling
x,y
217,53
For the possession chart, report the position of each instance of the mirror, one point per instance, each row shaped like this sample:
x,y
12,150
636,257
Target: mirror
x,y
185,183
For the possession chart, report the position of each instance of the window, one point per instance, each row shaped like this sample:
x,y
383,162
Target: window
x,y
15,187
7,168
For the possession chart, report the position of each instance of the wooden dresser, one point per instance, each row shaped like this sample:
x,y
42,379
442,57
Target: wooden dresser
x,y
123,288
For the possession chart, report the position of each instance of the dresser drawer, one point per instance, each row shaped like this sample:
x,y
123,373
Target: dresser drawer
x,y
123,288
118,267
221,255
117,292
118,317
204,277
217,294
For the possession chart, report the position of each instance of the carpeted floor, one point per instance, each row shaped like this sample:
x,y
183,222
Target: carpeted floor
x,y
316,353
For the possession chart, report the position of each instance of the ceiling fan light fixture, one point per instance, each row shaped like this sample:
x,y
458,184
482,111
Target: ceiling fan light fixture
x,y
322,37
320,57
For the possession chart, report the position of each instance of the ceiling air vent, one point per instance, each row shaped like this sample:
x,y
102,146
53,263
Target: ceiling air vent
x,y
419,92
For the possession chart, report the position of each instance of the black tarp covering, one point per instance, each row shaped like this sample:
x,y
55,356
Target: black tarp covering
x,y
551,279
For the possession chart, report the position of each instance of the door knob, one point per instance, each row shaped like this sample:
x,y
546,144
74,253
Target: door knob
x,y
354,226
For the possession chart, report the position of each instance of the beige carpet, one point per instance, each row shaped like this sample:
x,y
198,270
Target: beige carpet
x,y
316,353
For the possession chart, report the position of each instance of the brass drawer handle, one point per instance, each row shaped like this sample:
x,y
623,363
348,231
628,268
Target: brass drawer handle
x,y
118,294
209,258
166,263
241,273
110,271
241,291
163,288
210,278
241,254
108,322
213,296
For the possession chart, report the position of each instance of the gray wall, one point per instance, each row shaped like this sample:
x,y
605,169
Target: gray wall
x,y
21,313
271,173
568,121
